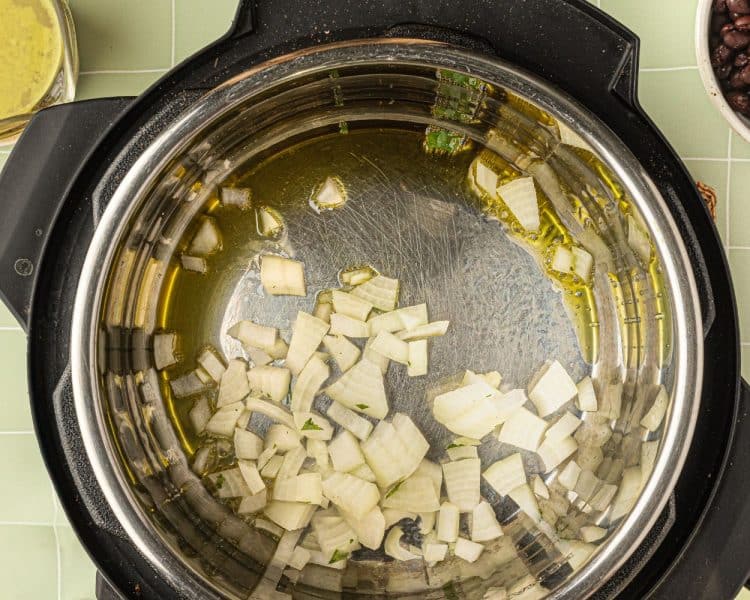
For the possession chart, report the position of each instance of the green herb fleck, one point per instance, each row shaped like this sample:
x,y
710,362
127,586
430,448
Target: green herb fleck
x,y
338,556
363,406
310,426
219,481
454,445
394,489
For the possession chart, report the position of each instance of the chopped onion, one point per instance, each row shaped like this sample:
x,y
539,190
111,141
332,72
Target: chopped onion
x,y
524,497
649,451
312,425
336,538
589,457
562,260
283,437
519,196
253,504
523,429
539,487
568,477
307,335
165,346
582,263
374,357
252,335
247,445
553,452
433,471
427,522
587,485
207,239
233,385
265,456
223,421
653,418
434,329
271,410
282,276
349,420
552,390
329,195
393,516
200,414
469,410
393,547
491,378
270,527
363,471
307,487
459,452
361,388
239,197
345,452
308,383
506,474
389,345
638,240
433,553
271,470
467,550
351,494
258,357
407,317
627,494
565,426
299,558
272,382
592,533
603,497
193,263
268,222
244,419
586,395
344,325
290,515
350,305
414,494
486,179
318,451
462,483
250,474
278,350
357,275
229,483
343,351
380,291
447,527
417,365
484,525
292,463
187,385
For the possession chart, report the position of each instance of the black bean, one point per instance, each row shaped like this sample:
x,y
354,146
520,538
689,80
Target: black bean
x,y
718,21
740,102
721,55
720,6
733,38
739,6
741,59
742,23
736,81
723,71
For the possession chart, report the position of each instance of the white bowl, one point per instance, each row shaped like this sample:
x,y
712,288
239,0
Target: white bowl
x,y
738,122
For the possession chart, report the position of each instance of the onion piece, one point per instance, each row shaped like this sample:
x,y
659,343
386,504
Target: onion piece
x,y
308,383
390,346
655,415
251,475
427,522
582,263
524,497
553,452
459,452
586,395
233,385
307,334
568,477
307,487
523,429
282,437
475,409
282,276
486,178
300,557
207,239
393,516
290,515
239,197
433,471
519,196
318,451
565,426
328,195
407,317
200,414
462,483
484,525
293,461
273,411
418,356
336,538
258,357
312,425
351,494
433,552
589,457
278,350
506,474
539,487
467,550
374,357
253,504
393,547
165,347
603,497
272,382
247,445
552,390
592,533
344,325
627,494
223,421
380,291
414,494
345,452
271,470
350,305
361,388
562,260
229,483
344,352
268,222
193,263
586,485
363,471
265,456
349,420
252,335
434,329
448,518
187,385
638,240
491,378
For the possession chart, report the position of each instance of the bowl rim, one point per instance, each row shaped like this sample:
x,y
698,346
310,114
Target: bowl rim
x,y
740,124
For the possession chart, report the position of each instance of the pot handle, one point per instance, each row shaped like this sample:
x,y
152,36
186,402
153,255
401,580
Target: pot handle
x,y
600,54
33,184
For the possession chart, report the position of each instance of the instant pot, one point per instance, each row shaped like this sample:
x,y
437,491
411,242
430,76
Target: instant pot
x,y
92,181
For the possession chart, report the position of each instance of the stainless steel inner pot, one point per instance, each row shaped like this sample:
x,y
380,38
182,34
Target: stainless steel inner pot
x,y
506,312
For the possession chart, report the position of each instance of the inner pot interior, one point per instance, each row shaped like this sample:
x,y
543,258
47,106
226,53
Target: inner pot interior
x,y
403,127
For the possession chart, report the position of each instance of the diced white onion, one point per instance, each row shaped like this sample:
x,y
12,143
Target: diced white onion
x,y
239,197
462,483
467,550
306,487
418,356
587,485
207,239
524,497
562,260
357,275
345,452
539,487
308,383
193,263
363,471
349,420
582,263
407,317
253,504
272,382
519,196
553,452
653,418
427,522
506,474
258,357
484,525
592,533
252,335
603,497
165,346
251,475
233,386
271,470
187,385
351,494
361,388
370,529
312,425
318,451
273,411
523,429
224,420
568,477
282,276
283,437
434,552
380,291
200,414
307,334
565,426
649,451
414,494
229,483
459,452
345,325
329,195
350,305
393,516
290,515
552,390
292,463
393,547
486,179
344,352
268,222
422,332
375,358
627,494
447,527
586,395
247,445
265,456
589,457
469,410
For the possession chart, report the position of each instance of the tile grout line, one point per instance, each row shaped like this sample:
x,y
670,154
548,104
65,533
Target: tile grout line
x,y
124,71
667,69
16,433
58,551
173,32
727,198
11,328
24,524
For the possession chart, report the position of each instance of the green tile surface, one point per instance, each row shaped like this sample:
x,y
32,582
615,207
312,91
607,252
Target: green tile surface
x,y
126,45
